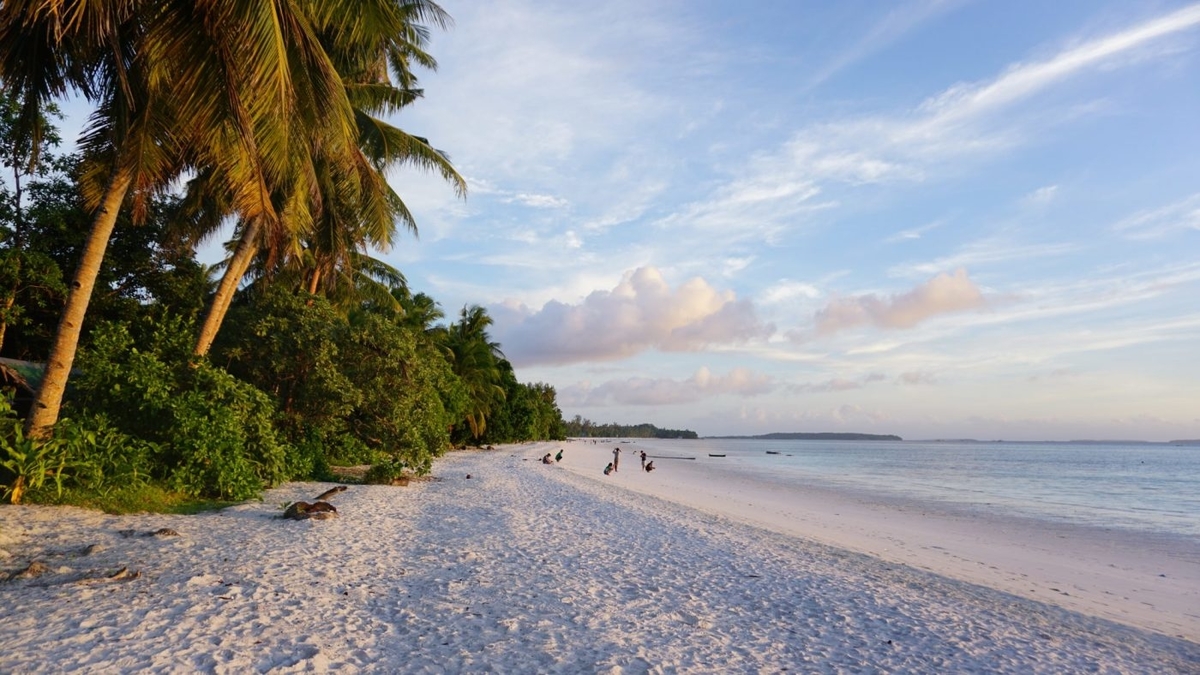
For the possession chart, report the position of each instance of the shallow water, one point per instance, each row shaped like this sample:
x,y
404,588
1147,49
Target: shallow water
x,y
1144,487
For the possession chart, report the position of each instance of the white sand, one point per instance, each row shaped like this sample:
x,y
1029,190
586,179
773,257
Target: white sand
x,y
1146,581
522,568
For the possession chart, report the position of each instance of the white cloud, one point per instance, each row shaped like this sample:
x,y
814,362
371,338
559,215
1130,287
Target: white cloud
x,y
786,290
1181,216
642,312
778,189
894,25
665,391
838,384
982,252
914,233
538,201
916,377
1041,196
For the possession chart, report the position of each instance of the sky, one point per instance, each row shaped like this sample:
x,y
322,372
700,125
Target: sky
x,y
931,218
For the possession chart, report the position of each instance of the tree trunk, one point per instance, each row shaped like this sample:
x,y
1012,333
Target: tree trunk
x,y
44,413
315,282
233,277
8,303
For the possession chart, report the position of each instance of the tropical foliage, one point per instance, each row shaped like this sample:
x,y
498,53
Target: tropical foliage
x,y
302,351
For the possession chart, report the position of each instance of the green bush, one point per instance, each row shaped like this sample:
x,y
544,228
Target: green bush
x,y
25,464
215,435
385,472
102,458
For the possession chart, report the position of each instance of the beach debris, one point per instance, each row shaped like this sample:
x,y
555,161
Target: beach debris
x,y
400,481
468,476
122,574
90,549
317,510
160,532
33,571
330,492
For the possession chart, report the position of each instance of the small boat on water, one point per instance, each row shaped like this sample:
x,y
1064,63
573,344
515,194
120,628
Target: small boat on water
x,y
772,452
714,455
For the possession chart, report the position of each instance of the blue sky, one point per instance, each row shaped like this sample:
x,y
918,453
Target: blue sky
x,y
935,218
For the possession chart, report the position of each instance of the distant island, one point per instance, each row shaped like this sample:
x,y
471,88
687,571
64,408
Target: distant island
x,y
581,427
802,436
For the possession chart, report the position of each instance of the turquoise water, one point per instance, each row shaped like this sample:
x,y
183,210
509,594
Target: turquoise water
x,y
1141,487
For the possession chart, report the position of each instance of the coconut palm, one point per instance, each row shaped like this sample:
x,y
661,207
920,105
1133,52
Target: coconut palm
x,y
352,207
476,360
177,85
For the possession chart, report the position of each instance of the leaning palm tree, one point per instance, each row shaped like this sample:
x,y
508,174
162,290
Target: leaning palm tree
x,y
352,208
177,85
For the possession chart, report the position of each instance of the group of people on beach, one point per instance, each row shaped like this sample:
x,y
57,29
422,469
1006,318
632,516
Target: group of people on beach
x,y
557,458
612,466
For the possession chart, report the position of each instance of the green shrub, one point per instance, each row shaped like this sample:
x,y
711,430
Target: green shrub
x,y
25,464
385,472
102,458
214,435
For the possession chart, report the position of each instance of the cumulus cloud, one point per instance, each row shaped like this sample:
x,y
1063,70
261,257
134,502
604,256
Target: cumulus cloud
x,y
943,294
666,391
642,312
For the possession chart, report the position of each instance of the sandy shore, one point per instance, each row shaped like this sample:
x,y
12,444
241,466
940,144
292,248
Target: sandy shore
x,y
521,568
1143,580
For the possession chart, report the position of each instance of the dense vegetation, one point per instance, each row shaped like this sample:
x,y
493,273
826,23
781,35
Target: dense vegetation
x,y
580,427
304,352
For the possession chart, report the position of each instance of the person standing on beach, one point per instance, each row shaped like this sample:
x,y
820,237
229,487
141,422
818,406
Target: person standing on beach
x,y
643,459
616,458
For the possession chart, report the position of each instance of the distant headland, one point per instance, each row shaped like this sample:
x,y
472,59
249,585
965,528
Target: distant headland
x,y
824,436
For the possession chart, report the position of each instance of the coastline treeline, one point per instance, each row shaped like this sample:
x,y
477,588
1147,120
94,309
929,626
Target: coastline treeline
x,y
580,427
816,436
300,351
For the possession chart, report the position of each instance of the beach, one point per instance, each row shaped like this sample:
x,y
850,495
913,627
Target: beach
x,y
523,567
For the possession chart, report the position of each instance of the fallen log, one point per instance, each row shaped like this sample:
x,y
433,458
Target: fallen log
x,y
330,492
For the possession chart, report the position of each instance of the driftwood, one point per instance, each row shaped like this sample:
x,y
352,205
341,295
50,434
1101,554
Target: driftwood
x,y
33,571
324,496
303,511
122,574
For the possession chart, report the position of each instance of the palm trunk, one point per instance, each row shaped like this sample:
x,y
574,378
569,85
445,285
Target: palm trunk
x,y
44,413
229,283
315,282
8,303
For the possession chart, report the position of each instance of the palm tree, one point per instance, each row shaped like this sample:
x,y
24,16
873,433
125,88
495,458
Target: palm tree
x,y
353,208
177,84
476,360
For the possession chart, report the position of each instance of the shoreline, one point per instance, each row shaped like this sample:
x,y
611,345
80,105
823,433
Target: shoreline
x,y
1145,580
520,568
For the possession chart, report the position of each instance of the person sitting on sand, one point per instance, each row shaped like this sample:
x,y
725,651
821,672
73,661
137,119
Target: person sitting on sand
x,y
558,457
608,469
547,460
650,466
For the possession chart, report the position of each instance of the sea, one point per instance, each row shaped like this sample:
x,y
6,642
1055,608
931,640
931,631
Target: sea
x,y
1151,488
